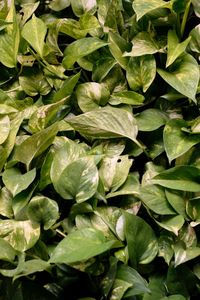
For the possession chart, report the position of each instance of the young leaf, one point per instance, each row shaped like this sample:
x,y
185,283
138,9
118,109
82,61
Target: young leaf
x,y
81,245
79,49
34,32
36,144
184,76
175,49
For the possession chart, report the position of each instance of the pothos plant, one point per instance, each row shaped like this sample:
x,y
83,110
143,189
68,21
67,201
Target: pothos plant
x,y
99,149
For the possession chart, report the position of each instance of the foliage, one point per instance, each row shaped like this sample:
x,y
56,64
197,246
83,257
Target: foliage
x,y
99,149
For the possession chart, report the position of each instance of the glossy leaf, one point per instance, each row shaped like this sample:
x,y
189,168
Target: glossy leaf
x,y
151,119
91,95
141,251
127,97
79,7
173,224
194,42
43,210
175,49
58,5
143,7
81,245
196,6
34,32
183,254
16,182
5,128
106,123
79,180
21,235
34,145
154,198
141,72
7,253
173,136
79,49
6,203
184,76
184,178
143,44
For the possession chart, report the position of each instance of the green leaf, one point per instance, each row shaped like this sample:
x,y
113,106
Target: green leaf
x,y
184,178
33,82
183,76
183,254
173,224
81,245
114,171
7,253
6,203
177,142
66,154
195,39
67,87
79,180
10,39
144,7
43,210
119,288
157,287
34,32
80,7
91,95
117,46
5,128
141,250
106,123
175,49
58,5
154,198
16,182
126,97
21,235
151,119
10,141
35,145
45,115
138,284
196,6
79,49
143,44
141,72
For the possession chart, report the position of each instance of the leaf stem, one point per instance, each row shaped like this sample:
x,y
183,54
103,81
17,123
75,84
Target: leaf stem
x,y
185,16
60,233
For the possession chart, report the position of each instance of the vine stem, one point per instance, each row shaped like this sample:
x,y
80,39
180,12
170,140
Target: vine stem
x,y
185,16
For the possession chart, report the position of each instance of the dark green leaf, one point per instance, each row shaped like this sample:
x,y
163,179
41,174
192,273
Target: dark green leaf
x,y
141,250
